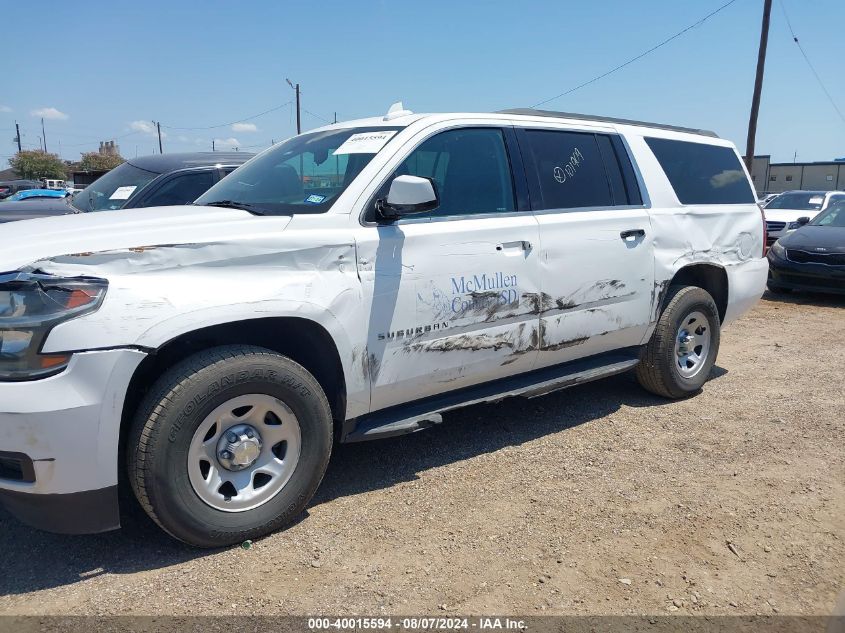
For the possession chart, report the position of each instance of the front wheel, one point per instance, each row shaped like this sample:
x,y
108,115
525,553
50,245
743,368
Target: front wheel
x,y
677,360
229,444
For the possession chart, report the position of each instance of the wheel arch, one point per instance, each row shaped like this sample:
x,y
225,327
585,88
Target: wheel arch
x,y
302,340
710,277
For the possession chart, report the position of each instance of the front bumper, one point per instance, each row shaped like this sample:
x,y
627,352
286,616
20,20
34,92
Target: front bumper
x,y
64,432
784,273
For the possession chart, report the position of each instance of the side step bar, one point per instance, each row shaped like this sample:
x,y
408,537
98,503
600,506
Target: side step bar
x,y
425,413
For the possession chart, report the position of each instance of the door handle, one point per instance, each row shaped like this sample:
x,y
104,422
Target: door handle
x,y
523,244
632,233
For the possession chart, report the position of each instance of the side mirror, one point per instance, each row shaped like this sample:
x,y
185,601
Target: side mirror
x,y
408,195
803,220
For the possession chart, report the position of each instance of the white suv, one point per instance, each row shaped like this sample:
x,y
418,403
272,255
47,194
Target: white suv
x,y
352,283
785,212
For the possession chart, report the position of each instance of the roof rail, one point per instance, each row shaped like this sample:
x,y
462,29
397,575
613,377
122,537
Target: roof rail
x,y
605,119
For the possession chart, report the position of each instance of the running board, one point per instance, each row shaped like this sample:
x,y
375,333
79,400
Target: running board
x,y
425,413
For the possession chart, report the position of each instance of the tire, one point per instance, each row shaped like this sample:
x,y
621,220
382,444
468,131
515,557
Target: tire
x,y
174,464
661,360
778,290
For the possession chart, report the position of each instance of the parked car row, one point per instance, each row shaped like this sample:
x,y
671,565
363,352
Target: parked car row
x,y
157,180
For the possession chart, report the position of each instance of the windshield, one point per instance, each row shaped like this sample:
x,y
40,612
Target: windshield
x,y
800,201
304,174
832,216
111,191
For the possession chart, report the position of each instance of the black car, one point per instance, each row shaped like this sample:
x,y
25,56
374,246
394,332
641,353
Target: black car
x,y
813,256
11,187
147,181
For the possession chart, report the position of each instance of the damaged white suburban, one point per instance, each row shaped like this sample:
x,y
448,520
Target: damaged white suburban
x,y
355,282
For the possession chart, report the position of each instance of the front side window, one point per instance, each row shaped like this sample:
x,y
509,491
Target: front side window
x,y
305,174
181,189
701,173
470,170
570,170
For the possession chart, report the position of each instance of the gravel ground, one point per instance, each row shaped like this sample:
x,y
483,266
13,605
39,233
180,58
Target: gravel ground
x,y
596,500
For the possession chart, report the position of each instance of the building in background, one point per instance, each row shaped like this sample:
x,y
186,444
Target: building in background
x,y
769,177
108,148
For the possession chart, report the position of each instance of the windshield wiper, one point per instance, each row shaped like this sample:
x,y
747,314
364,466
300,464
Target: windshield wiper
x,y
232,204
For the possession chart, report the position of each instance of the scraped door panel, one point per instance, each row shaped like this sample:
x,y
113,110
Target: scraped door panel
x,y
453,303
597,284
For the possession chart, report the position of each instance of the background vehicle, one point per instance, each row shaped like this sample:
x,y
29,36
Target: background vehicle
x,y
811,257
157,180
37,194
9,187
354,283
52,183
782,212
766,198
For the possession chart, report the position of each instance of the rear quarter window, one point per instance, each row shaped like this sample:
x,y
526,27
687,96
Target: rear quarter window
x,y
701,173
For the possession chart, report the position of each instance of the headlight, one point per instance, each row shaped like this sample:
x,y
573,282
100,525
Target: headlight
x,y
30,305
778,250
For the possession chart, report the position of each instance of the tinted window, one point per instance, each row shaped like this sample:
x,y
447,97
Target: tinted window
x,y
182,189
701,173
112,190
470,169
833,216
570,170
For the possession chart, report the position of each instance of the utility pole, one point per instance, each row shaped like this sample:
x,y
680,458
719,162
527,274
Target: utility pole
x,y
758,85
298,115
335,117
18,137
44,135
158,129
212,145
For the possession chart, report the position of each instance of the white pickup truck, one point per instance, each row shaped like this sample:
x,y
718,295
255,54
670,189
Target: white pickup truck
x,y
350,283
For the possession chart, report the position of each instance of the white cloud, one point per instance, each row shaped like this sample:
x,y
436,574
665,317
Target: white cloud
x,y
147,127
49,113
225,143
5,108
244,127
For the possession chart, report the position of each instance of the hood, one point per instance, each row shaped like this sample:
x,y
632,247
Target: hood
x,y
789,215
22,243
812,238
14,210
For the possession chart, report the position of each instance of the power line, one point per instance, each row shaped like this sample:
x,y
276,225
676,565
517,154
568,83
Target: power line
x,y
316,116
809,63
640,56
214,127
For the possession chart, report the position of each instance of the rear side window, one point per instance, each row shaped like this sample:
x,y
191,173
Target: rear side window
x,y
701,173
579,169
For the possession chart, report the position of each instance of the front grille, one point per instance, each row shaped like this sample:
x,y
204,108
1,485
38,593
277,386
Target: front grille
x,y
804,257
773,227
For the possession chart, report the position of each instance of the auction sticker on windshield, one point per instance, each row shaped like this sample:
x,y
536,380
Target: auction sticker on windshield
x,y
123,193
365,142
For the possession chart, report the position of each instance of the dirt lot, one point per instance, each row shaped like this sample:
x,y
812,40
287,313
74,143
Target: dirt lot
x,y
600,499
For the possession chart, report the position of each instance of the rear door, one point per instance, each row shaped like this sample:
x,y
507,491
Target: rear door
x,y
596,244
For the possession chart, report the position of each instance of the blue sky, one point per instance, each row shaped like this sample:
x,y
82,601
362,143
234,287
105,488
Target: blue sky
x,y
111,68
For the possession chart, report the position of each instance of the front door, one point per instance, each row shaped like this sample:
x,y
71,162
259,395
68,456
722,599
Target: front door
x,y
596,244
450,292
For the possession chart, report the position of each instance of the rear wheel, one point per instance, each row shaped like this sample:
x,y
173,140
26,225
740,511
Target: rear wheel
x,y
229,444
682,351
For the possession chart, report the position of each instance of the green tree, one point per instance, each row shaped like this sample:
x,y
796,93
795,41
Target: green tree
x,y
94,161
34,164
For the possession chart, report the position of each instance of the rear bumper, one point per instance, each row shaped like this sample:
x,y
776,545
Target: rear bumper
x,y
746,284
816,277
